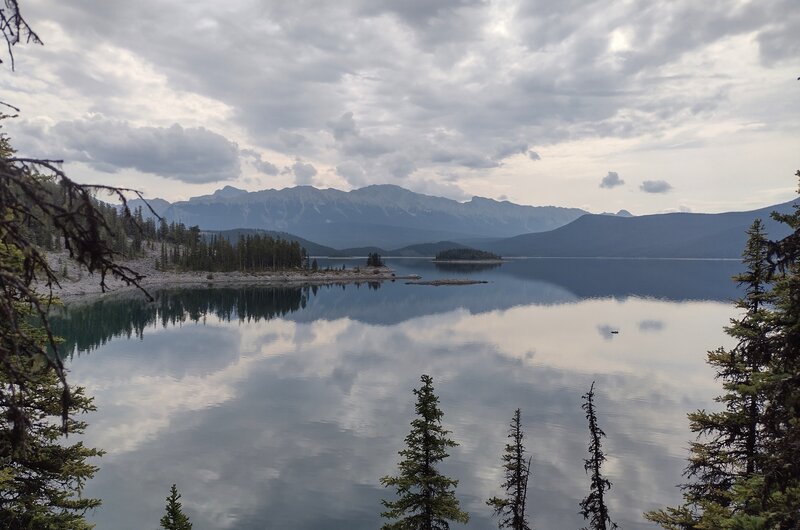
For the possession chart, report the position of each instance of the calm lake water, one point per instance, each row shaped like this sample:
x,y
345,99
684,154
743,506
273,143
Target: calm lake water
x,y
282,408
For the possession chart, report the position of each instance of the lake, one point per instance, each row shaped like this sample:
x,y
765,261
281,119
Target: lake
x,y
282,408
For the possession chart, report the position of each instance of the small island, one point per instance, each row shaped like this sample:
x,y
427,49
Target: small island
x,y
466,255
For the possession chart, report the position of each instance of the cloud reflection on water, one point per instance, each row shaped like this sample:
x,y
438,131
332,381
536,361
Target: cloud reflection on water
x,y
289,424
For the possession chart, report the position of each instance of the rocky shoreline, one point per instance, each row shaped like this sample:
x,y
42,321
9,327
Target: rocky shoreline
x,y
471,261
446,281
77,282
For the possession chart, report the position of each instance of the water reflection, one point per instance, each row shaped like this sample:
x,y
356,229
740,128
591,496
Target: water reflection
x,y
284,414
465,268
514,283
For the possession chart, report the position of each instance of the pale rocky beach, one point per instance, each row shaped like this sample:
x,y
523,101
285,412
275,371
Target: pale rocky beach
x,y
75,281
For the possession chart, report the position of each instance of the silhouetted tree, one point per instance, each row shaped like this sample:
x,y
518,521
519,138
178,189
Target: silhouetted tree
x,y
14,27
425,498
729,450
374,260
746,471
781,437
511,508
594,507
29,197
175,519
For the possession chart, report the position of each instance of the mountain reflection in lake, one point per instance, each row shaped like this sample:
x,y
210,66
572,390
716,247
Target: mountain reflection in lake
x,y
281,408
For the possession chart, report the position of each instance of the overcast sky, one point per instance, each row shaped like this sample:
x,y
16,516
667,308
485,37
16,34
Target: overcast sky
x,y
645,105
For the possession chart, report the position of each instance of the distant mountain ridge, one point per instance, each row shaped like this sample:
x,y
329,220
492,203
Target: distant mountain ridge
x,y
387,216
672,235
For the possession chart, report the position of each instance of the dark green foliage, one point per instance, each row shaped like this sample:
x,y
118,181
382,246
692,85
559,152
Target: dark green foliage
x,y
511,508
425,498
594,507
729,451
374,260
465,254
251,253
41,476
746,468
40,481
175,519
782,385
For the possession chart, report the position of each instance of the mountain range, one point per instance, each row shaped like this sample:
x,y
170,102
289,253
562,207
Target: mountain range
x,y
672,235
386,216
397,222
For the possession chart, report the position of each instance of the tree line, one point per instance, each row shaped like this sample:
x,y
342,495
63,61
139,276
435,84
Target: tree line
x,y
251,253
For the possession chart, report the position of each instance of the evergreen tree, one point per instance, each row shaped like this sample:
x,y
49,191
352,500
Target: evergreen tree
x,y
40,476
781,469
426,498
175,519
511,509
729,451
594,507
374,260
747,472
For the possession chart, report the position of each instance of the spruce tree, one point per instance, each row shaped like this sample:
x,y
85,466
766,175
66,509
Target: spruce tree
x,y
425,498
175,519
593,507
511,508
781,474
729,452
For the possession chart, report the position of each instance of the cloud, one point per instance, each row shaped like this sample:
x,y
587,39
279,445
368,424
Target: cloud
x,y
193,155
263,166
611,180
343,127
655,186
651,325
448,84
352,143
399,166
509,150
303,173
352,172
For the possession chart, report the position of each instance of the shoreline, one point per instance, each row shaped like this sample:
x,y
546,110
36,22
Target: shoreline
x,y
446,281
76,282
89,285
471,261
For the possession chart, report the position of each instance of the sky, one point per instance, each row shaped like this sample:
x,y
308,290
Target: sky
x,y
646,105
